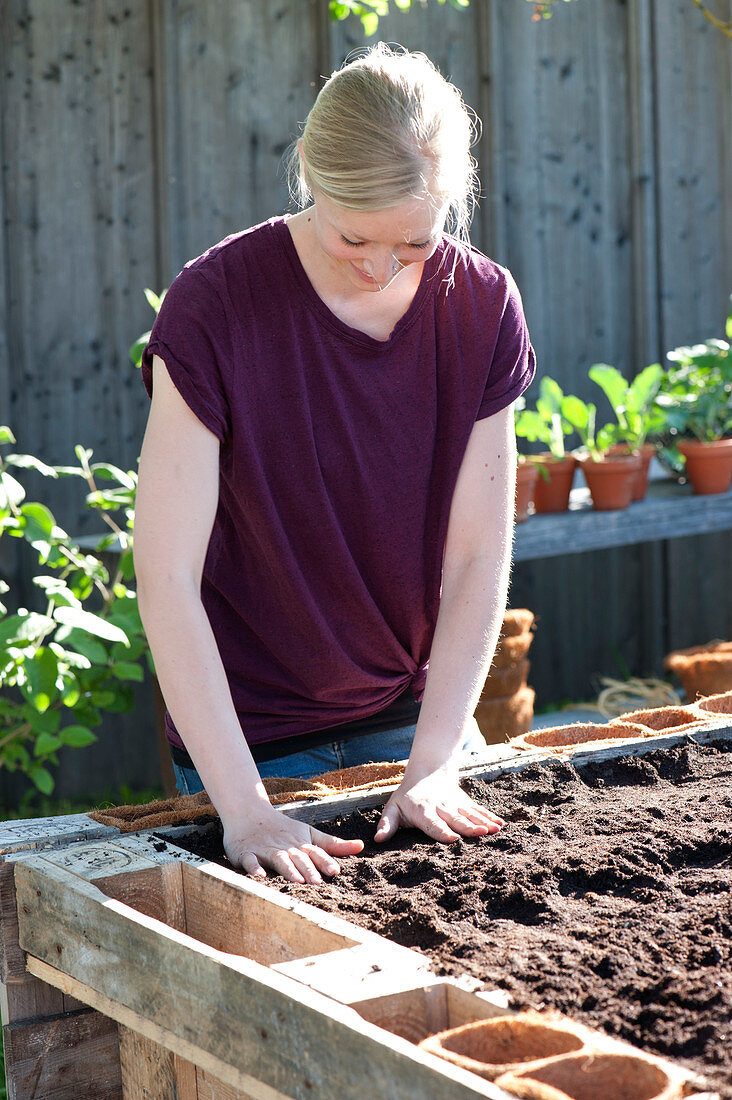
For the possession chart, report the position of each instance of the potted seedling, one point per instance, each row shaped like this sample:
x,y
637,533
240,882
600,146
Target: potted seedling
x,y
546,424
610,477
636,412
696,398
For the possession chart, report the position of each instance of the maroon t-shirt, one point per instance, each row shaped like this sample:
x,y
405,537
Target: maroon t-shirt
x,y
339,457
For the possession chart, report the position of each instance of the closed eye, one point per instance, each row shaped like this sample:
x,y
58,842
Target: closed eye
x,y
410,244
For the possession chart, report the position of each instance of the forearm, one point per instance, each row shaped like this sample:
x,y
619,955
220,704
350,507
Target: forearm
x,y
197,694
471,612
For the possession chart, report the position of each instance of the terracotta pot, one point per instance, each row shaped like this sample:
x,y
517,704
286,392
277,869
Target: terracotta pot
x,y
708,465
526,476
611,480
554,482
646,453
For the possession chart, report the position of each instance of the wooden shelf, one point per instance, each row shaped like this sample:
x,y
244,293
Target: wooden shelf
x,y
669,511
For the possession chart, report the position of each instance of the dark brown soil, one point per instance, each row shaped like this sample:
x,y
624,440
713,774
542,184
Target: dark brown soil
x,y
606,895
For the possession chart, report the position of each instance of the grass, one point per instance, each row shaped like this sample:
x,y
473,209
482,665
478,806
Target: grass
x,y
34,804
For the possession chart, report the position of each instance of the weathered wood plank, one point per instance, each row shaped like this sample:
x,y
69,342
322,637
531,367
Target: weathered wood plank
x,y
670,511
74,1056
234,82
150,1072
362,972
223,1012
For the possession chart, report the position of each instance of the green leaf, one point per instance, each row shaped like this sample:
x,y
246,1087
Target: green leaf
x,y
39,521
370,23
41,674
78,737
45,743
42,779
70,692
48,722
24,627
92,624
102,699
29,462
80,642
611,382
6,436
113,473
12,492
127,670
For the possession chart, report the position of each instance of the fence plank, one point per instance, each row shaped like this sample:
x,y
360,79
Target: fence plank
x,y
237,79
136,135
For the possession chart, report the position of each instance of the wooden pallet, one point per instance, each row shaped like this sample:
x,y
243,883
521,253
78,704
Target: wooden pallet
x,y
134,969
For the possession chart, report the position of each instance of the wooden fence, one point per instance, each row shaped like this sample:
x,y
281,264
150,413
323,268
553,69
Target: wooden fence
x,y
135,133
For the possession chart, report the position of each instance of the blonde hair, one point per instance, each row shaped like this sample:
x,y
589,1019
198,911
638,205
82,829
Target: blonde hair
x,y
385,128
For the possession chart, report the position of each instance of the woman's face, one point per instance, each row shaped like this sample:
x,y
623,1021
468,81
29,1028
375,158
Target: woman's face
x,y
372,247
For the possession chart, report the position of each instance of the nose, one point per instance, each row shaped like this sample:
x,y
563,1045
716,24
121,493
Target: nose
x,y
382,267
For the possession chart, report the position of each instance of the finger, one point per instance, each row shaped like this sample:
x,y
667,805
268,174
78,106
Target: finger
x,y
305,866
284,866
335,845
436,827
463,825
476,812
388,823
252,866
475,817
322,860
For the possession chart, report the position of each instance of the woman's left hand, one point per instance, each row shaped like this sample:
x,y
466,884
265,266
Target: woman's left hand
x,y
436,804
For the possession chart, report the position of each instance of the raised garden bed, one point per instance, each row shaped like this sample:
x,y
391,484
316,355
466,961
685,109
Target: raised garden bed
x,y
132,968
608,896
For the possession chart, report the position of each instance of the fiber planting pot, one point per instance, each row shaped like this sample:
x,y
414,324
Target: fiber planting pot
x,y
645,453
516,621
567,738
506,681
512,649
591,1076
554,483
526,476
611,480
714,706
661,719
708,465
702,669
504,718
505,1043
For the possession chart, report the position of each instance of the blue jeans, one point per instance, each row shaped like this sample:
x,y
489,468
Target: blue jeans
x,y
386,746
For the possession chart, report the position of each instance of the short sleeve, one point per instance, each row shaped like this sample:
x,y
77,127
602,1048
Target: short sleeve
x,y
513,364
192,337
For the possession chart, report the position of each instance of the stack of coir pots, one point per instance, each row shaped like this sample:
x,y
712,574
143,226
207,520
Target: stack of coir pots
x,y
506,706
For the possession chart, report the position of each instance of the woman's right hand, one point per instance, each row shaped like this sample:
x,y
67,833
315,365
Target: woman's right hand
x,y
269,839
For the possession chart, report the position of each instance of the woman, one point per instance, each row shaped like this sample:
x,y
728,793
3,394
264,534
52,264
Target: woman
x,y
329,461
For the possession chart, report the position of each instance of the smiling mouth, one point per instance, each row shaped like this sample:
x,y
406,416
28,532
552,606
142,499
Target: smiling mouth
x,y
364,276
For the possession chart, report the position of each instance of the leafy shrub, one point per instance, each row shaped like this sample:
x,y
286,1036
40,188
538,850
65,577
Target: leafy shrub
x,y
65,664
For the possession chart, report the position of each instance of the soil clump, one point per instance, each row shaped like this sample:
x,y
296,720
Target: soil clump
x,y
608,896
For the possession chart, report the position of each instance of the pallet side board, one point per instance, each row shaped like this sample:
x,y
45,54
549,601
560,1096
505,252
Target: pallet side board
x,y
246,1023
494,765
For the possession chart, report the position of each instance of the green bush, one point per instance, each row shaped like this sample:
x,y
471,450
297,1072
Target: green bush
x,y
74,657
